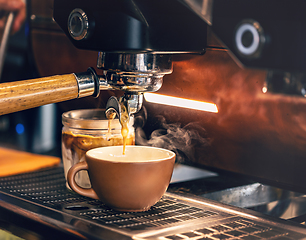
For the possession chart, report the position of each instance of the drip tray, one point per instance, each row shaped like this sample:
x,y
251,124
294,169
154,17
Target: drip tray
x,y
43,195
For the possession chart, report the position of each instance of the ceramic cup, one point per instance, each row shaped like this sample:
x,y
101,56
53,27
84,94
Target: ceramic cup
x,y
131,182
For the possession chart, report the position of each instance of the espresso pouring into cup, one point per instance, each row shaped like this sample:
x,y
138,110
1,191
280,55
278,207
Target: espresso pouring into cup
x,y
134,181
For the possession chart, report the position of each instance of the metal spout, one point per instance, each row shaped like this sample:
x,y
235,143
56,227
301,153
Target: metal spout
x,y
130,103
113,108
134,74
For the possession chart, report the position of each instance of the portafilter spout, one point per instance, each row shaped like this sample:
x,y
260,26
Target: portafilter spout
x,y
134,74
130,103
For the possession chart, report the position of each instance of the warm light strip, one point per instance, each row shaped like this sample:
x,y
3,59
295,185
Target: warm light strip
x,y
181,102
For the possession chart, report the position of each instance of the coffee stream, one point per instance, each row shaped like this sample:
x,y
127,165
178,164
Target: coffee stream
x,y
124,121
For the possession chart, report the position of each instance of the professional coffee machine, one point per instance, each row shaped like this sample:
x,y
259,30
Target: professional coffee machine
x,y
256,131
247,57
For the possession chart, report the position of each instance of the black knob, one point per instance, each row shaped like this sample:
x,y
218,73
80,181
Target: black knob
x,y
78,24
249,39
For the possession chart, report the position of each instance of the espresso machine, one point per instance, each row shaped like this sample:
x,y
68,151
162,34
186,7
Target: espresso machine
x,y
247,57
131,59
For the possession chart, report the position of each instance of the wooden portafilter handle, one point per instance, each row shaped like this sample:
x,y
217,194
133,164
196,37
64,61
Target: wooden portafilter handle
x,y
21,95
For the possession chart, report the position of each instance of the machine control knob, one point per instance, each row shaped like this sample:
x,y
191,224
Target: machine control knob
x,y
249,39
78,24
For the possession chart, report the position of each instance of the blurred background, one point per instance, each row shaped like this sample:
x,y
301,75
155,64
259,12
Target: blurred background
x,y
25,60
22,129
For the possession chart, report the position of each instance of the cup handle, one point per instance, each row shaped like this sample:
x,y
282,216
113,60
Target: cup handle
x,y
87,192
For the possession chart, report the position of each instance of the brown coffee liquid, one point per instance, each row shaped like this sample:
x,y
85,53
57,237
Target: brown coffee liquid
x,y
124,121
110,116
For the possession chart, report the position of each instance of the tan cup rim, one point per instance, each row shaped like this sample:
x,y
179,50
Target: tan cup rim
x,y
171,154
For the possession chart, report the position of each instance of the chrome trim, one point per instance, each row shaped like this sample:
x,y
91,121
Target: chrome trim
x,y
90,83
135,72
78,24
258,39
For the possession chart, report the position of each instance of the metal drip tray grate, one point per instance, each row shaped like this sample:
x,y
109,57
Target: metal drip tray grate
x,y
163,213
173,217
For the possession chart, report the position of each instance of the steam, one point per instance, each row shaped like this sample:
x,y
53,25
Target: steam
x,y
182,140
